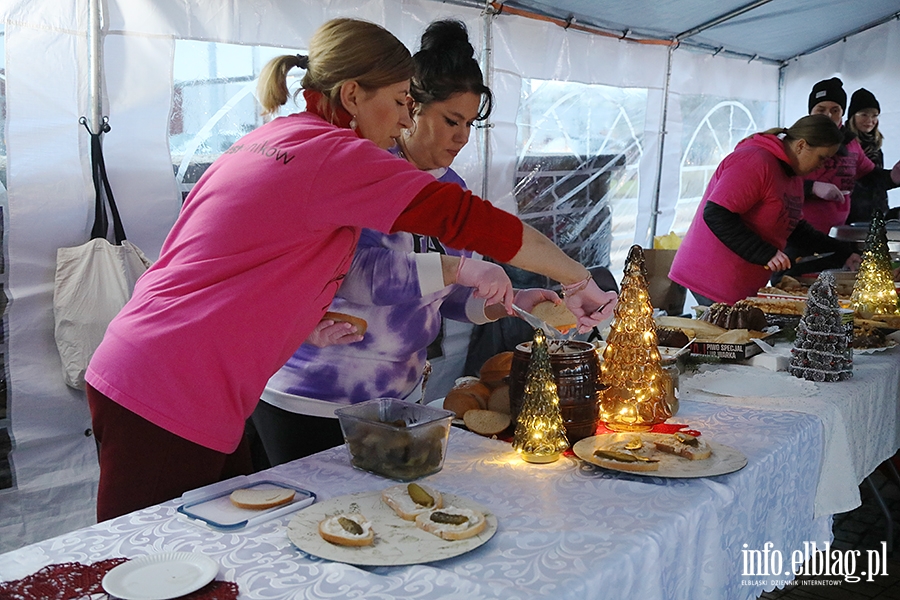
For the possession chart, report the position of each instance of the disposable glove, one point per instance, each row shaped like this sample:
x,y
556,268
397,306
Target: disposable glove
x,y
827,191
489,280
331,333
590,305
528,299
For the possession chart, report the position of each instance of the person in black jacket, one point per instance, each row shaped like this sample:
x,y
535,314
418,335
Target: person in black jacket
x,y
862,120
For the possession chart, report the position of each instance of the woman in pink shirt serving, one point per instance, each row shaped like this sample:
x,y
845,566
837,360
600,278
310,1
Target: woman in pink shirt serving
x,y
256,255
751,209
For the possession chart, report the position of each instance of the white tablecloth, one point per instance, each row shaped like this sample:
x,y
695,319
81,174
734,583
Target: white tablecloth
x,y
860,416
566,529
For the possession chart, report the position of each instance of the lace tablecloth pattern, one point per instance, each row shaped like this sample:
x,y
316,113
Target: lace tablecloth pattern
x,y
566,529
860,416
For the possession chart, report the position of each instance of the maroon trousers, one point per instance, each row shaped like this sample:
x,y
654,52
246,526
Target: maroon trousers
x,y
142,464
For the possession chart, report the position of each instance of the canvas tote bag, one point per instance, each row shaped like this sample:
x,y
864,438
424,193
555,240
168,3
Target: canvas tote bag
x,y
93,281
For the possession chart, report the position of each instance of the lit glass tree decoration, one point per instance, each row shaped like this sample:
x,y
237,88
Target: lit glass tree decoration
x,y
874,292
540,435
635,395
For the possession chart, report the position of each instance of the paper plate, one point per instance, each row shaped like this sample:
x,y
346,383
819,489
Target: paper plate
x,y
160,576
397,542
724,459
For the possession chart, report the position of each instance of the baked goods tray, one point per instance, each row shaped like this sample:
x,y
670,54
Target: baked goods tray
x,y
212,506
397,542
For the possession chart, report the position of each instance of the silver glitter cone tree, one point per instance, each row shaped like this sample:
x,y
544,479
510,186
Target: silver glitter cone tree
x,y
540,435
822,351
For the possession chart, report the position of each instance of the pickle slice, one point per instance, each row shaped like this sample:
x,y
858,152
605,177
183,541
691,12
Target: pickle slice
x,y
419,495
622,456
350,526
442,517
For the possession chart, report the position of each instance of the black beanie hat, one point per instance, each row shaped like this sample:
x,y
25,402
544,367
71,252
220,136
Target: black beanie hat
x,y
861,100
828,90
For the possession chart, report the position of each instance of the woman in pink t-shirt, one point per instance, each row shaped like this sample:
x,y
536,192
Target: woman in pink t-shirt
x,y
256,255
751,209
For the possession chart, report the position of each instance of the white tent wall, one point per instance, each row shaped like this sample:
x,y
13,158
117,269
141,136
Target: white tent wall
x,y
862,60
50,193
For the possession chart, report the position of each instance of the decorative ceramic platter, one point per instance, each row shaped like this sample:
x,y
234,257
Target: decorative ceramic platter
x,y
397,542
890,344
724,459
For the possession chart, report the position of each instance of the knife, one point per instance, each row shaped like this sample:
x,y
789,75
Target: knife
x,y
802,259
549,330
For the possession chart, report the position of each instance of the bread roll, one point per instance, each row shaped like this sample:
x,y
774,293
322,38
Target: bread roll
x,y
499,400
400,499
557,315
432,522
496,369
486,422
355,530
460,402
468,393
257,499
360,324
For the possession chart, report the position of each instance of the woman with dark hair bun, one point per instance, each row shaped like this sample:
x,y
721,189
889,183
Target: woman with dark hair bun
x,y
398,282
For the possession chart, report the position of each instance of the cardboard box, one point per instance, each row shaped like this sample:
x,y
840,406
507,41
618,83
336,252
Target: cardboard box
x,y
726,351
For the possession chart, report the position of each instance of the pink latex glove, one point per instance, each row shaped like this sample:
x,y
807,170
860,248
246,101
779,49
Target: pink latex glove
x,y
895,173
591,305
779,262
331,333
528,299
827,191
489,280
853,261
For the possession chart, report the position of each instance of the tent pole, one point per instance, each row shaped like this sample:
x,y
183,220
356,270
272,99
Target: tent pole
x,y
654,212
487,65
94,59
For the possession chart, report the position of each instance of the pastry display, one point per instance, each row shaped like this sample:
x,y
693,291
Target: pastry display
x,y
741,315
672,337
867,336
411,500
348,529
259,499
452,523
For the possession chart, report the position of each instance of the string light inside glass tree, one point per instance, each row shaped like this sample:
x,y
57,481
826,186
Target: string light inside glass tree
x,y
874,292
540,435
635,395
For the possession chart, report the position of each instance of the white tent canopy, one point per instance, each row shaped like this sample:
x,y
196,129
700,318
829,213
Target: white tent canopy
x,y
652,97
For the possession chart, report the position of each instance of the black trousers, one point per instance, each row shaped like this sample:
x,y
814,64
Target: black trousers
x,y
287,436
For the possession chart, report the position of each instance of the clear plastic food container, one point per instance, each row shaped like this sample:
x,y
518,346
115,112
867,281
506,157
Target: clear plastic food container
x,y
394,438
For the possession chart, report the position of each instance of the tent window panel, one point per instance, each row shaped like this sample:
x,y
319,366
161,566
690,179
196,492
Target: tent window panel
x,y
214,102
712,127
578,151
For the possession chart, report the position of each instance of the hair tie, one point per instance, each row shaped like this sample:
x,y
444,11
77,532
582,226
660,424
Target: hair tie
x,y
784,130
302,61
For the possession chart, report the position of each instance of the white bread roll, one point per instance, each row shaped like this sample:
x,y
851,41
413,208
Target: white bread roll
x,y
399,499
256,499
333,531
473,525
499,400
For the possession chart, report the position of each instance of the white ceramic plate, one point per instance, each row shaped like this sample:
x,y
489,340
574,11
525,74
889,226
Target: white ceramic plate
x,y
890,344
160,576
724,459
397,542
